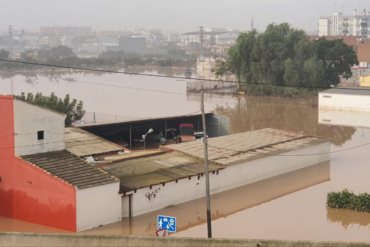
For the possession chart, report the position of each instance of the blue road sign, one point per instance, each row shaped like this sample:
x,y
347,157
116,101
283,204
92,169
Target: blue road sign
x,y
166,222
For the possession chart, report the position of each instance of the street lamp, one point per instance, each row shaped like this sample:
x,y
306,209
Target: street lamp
x,y
144,136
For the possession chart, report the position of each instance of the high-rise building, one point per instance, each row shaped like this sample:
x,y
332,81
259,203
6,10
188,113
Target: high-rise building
x,y
341,25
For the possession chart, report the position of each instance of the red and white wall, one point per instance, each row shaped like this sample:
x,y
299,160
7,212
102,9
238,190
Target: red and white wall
x,y
26,192
29,194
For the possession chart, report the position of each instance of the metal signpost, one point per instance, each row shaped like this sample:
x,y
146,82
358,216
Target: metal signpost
x,y
166,223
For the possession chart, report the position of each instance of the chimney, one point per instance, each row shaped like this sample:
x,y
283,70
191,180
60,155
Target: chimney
x,y
355,13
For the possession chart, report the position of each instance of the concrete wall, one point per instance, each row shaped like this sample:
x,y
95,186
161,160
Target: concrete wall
x,y
28,120
29,239
147,200
344,102
98,206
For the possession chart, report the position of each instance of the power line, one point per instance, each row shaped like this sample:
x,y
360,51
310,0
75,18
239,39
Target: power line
x,y
147,75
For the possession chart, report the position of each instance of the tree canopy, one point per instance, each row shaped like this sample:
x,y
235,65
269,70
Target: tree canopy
x,y
60,52
283,55
74,110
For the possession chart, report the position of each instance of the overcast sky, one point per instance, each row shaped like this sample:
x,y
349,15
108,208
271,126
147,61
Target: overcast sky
x,y
177,15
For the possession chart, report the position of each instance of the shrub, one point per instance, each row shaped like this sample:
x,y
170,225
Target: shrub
x,y
348,200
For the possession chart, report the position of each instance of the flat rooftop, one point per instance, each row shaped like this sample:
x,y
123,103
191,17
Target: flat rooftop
x,y
157,169
348,91
238,148
83,143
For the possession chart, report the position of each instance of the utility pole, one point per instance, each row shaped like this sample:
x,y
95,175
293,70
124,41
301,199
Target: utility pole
x,y
205,143
201,36
252,24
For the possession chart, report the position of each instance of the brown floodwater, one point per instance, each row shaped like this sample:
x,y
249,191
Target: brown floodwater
x,y
291,206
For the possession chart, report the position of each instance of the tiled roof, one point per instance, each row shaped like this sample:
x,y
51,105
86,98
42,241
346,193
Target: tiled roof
x,y
238,148
157,169
70,168
83,143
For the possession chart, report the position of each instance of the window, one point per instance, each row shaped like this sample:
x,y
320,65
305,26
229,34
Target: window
x,y
40,135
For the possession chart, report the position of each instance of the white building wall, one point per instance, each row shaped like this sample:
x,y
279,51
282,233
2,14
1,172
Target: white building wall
x,y
28,120
324,27
147,200
344,102
98,206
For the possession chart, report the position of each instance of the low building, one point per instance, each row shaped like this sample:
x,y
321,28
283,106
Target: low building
x,y
345,99
174,37
156,182
41,182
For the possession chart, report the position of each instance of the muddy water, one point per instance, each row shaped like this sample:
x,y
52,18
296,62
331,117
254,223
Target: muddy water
x,y
119,96
292,206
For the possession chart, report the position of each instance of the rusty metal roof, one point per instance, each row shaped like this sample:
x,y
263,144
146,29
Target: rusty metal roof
x,y
70,169
239,148
157,169
83,143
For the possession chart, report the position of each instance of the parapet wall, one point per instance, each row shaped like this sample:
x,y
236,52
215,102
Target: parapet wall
x,y
69,240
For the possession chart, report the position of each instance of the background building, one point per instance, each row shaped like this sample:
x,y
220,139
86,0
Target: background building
x,y
341,25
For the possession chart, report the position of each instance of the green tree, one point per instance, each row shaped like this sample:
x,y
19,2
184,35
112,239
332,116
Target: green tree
x,y
60,52
337,58
283,55
71,108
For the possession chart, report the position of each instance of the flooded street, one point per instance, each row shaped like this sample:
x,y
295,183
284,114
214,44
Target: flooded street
x,y
291,206
115,94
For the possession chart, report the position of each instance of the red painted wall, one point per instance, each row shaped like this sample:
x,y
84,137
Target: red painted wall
x,y
26,192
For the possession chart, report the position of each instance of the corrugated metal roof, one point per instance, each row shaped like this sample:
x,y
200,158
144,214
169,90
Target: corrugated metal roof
x,y
238,148
83,143
144,172
70,168
348,90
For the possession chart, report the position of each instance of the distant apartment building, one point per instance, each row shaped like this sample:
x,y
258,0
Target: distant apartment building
x,y
216,37
112,33
77,31
74,31
341,25
51,31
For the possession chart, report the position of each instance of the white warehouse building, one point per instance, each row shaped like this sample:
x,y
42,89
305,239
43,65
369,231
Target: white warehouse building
x,y
176,176
355,99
